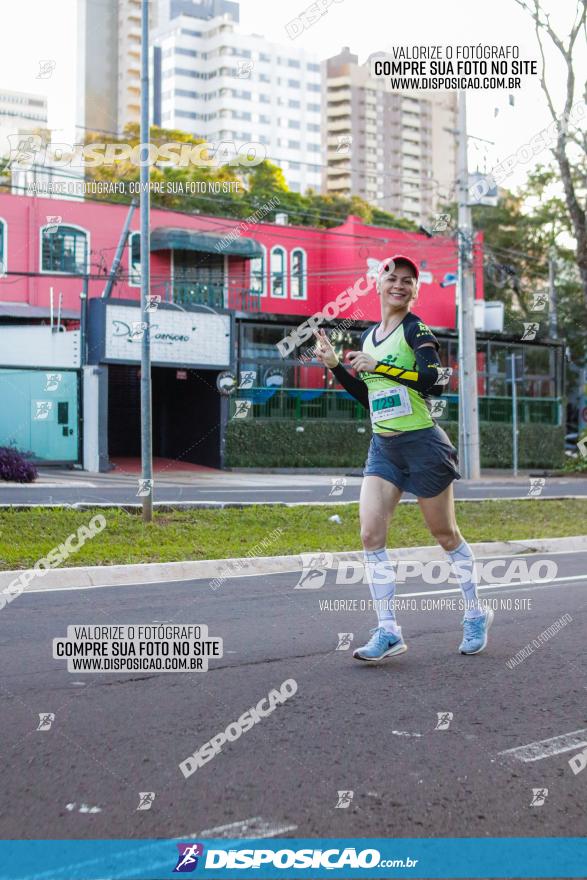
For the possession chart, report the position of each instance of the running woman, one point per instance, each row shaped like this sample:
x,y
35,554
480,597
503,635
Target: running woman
x,y
397,370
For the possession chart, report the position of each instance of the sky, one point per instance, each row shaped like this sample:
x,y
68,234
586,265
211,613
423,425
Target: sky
x,y
366,26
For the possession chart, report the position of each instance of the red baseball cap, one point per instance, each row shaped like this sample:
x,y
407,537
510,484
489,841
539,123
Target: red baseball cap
x,y
386,265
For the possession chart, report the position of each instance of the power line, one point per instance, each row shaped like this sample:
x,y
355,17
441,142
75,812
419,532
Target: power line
x,y
302,212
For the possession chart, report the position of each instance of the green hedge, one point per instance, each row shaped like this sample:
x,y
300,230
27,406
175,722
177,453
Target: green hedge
x,y
332,443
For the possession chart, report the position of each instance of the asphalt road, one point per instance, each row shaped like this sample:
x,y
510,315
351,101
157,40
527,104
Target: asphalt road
x,y
350,727
226,488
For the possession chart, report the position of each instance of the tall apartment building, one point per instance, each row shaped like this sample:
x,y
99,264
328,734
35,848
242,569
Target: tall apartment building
x,y
391,148
20,112
109,63
226,86
204,9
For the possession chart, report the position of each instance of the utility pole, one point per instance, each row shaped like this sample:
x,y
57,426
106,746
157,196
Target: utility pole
x,y
146,485
514,413
552,312
119,251
468,403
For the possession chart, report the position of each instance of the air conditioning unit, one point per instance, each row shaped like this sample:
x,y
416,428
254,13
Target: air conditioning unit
x,y
281,219
489,316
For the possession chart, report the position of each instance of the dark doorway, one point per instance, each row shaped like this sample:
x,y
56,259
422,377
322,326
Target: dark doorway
x,y
186,414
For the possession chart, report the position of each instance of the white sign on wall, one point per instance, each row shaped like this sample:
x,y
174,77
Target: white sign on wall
x,y
177,337
30,345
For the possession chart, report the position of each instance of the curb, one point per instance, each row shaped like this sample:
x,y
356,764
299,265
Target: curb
x,y
238,505
210,569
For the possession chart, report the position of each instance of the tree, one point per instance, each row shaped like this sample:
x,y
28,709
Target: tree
x,y
575,200
519,236
257,185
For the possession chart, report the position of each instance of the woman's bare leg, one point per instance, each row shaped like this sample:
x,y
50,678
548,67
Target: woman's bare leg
x,y
379,498
440,517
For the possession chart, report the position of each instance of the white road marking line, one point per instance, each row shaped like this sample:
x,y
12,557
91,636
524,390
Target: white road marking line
x,y
251,829
546,748
261,489
405,733
83,808
538,583
129,857
577,577
75,484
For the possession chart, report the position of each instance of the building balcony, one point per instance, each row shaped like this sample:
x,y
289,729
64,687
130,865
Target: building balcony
x,y
342,127
213,295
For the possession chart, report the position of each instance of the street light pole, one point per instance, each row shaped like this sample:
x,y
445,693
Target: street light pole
x,y
467,360
146,487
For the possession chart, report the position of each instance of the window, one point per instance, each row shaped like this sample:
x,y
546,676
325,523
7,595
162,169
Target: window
x,y
180,71
183,93
264,57
294,104
291,62
293,83
134,259
313,67
64,249
293,123
298,274
258,278
278,266
191,52
3,247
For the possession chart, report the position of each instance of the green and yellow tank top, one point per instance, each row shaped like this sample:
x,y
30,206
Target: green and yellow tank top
x,y
394,407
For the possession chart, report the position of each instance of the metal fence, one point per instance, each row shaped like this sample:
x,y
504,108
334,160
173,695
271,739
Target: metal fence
x,y
213,295
322,403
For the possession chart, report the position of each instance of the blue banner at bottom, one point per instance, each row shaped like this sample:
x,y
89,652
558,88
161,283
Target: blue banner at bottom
x,y
309,858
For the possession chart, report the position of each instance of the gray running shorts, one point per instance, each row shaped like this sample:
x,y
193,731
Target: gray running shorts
x,y
422,462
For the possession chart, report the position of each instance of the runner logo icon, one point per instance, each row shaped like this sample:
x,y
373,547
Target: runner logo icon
x,y
187,860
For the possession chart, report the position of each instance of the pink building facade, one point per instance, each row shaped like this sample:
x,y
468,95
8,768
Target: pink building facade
x,y
225,292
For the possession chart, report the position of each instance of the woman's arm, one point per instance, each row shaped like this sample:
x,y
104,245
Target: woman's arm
x,y
423,378
354,386
326,353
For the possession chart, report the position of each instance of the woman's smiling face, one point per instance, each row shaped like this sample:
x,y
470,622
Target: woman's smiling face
x,y
398,288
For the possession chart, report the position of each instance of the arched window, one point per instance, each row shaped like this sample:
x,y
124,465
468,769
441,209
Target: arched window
x,y
298,288
278,272
258,276
3,247
134,259
65,249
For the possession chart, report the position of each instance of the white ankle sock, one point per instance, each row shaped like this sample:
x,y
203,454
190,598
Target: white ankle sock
x,y
463,566
381,577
